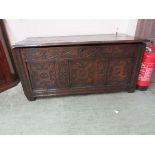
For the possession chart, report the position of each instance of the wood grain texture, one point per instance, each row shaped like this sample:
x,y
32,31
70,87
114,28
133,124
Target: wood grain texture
x,y
78,40
78,69
7,78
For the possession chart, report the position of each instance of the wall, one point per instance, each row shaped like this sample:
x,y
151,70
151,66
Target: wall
x,y
19,29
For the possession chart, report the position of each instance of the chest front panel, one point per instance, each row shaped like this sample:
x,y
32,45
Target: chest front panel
x,y
71,67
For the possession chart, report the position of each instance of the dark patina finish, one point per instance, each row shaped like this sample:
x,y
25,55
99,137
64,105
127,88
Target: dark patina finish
x,y
55,66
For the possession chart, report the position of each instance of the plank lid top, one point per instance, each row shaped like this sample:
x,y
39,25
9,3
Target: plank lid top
x,y
78,39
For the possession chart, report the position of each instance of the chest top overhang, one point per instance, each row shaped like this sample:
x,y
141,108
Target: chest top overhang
x,y
78,40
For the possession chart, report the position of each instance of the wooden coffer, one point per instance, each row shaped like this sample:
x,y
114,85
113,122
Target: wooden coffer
x,y
78,69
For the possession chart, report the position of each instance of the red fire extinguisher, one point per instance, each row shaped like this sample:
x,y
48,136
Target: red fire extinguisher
x,y
147,67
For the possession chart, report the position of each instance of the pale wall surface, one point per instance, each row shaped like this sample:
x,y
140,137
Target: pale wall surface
x,y
20,29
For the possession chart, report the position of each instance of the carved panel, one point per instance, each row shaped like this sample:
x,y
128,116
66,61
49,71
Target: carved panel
x,y
88,72
77,52
119,71
41,54
62,74
48,75
125,50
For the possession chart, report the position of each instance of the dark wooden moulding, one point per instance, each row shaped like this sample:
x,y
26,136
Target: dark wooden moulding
x,y
56,66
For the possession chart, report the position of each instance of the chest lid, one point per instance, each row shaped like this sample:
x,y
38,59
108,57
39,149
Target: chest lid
x,y
78,40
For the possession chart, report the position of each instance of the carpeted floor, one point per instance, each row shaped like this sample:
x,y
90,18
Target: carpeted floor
x,y
116,113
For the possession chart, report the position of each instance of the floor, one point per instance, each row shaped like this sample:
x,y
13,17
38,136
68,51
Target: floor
x,y
116,113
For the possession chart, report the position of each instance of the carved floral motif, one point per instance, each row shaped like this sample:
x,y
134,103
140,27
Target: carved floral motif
x,y
119,71
49,74
88,72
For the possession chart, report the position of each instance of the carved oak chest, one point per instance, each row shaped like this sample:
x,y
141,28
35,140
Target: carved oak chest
x,y
55,66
